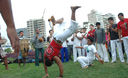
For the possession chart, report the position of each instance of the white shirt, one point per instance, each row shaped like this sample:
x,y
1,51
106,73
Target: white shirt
x,y
59,28
70,42
84,40
91,50
77,42
64,44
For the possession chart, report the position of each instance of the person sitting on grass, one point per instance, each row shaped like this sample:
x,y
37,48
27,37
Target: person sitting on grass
x,y
52,52
91,53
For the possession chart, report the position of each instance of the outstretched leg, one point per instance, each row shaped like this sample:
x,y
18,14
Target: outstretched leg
x,y
74,8
6,63
6,12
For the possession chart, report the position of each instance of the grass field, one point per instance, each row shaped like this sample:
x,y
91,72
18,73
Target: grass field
x,y
71,70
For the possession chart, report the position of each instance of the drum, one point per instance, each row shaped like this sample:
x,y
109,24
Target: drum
x,y
24,47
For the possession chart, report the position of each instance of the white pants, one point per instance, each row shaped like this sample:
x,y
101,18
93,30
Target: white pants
x,y
67,33
75,51
84,61
83,51
102,51
125,41
116,44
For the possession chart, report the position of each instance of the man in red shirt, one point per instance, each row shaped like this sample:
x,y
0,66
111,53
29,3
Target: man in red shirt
x,y
52,52
122,27
92,31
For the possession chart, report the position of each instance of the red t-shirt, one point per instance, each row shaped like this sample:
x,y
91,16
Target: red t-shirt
x,y
91,33
123,25
52,50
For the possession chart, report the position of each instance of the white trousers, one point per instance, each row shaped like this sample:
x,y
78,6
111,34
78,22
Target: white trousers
x,y
83,51
84,61
102,51
66,33
116,44
75,51
125,41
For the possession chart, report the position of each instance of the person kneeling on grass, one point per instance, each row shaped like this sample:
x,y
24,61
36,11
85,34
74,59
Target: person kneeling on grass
x,y
91,53
52,52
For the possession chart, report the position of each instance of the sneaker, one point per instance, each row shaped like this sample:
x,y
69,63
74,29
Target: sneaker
x,y
113,62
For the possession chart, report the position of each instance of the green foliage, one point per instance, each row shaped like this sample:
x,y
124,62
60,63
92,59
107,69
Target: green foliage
x,y
8,50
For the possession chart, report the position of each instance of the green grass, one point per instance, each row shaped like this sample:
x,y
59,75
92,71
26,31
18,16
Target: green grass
x,y
71,70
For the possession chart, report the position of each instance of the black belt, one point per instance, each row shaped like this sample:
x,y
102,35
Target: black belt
x,y
58,41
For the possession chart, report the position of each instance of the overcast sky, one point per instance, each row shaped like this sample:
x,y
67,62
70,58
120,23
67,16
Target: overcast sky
x,y
24,10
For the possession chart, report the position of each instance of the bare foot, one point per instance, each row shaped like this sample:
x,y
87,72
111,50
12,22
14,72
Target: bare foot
x,y
85,67
53,20
73,8
91,65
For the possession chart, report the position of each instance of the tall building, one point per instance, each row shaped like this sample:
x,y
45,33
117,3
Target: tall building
x,y
33,24
94,17
105,18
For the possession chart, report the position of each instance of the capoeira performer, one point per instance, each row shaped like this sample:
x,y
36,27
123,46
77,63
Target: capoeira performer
x,y
52,52
122,27
91,53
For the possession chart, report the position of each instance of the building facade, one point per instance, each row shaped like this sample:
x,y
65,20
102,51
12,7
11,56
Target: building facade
x,y
94,17
34,24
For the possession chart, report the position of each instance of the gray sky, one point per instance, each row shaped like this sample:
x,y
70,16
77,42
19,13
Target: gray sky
x,y
24,10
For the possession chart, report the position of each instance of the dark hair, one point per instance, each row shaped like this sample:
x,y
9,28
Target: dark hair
x,y
91,39
20,32
48,62
110,18
50,31
97,23
121,14
91,25
84,28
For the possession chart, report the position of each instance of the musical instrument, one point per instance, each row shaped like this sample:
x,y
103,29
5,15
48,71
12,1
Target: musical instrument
x,y
24,47
40,39
51,20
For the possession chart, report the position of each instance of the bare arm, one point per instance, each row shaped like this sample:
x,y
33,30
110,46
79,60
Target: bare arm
x,y
114,29
119,33
80,38
45,68
59,63
99,58
79,47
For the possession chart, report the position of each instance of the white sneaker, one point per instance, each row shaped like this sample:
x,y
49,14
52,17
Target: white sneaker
x,y
122,61
106,61
113,62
